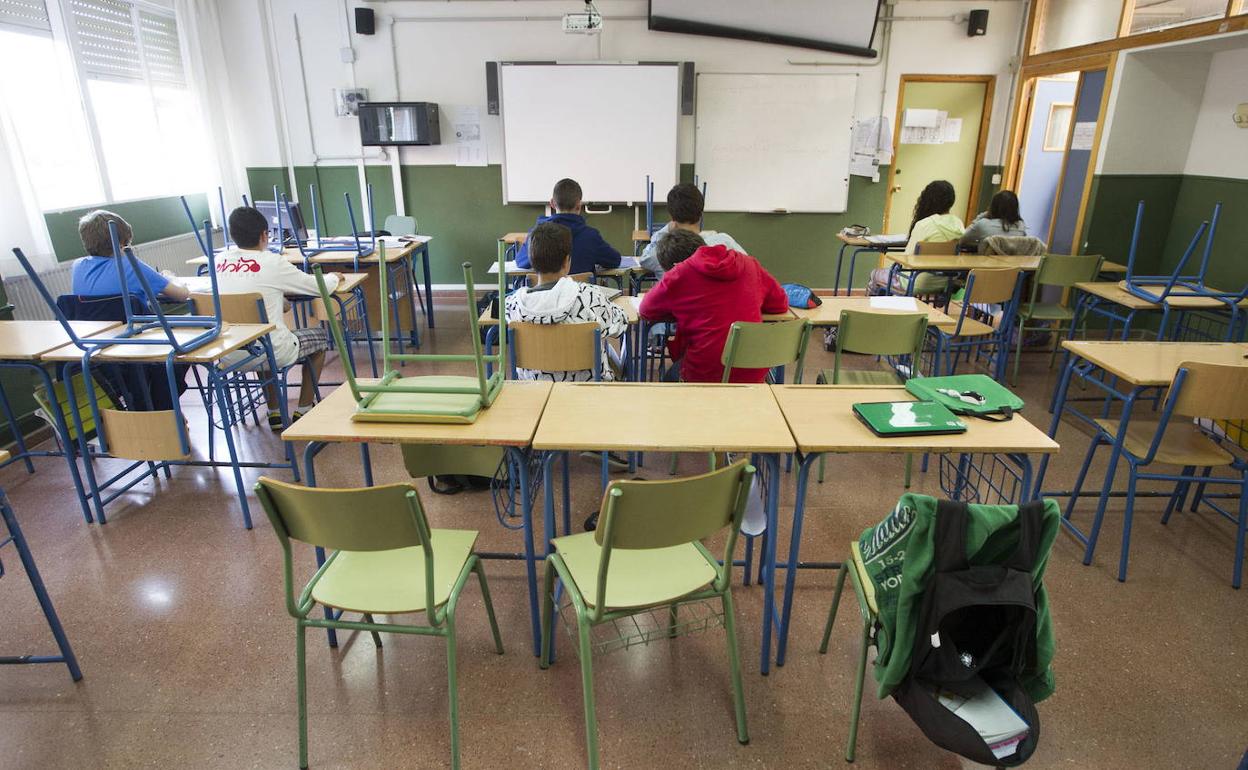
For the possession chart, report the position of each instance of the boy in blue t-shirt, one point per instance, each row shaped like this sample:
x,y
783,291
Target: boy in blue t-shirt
x,y
95,275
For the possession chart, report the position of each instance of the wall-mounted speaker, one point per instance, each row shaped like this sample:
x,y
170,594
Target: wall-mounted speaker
x,y
686,88
365,21
491,88
977,23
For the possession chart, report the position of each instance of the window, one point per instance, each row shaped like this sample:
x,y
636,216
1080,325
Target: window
x,y
1148,15
1058,127
1069,23
44,115
150,138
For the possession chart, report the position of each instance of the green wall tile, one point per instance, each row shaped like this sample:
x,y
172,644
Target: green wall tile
x,y
1111,215
1196,198
151,219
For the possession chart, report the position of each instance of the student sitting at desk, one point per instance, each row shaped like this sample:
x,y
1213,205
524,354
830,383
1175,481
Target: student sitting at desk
x,y
931,222
557,299
1001,218
705,290
684,205
251,267
589,249
95,275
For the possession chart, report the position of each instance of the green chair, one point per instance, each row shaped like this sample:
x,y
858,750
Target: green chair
x,y
387,561
1058,270
766,346
877,334
647,554
428,398
870,611
397,224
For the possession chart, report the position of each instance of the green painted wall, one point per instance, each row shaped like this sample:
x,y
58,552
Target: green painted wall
x,y
1111,215
151,219
1228,269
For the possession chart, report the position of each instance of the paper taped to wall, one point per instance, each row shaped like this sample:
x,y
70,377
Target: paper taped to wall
x,y
1083,135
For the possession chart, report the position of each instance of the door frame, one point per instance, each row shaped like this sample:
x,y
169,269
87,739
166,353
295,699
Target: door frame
x,y
1027,108
990,84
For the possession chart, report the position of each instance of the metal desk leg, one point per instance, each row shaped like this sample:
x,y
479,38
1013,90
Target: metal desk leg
x,y
216,382
792,560
836,282
18,438
409,283
520,458
772,464
1124,421
41,593
424,250
88,467
1057,407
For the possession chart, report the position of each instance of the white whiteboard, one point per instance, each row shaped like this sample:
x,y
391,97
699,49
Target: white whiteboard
x,y
605,125
775,142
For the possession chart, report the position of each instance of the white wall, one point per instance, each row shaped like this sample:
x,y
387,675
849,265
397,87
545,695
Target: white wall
x,y
1218,147
443,61
1156,98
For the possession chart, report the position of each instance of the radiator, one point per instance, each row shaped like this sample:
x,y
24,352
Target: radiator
x,y
164,254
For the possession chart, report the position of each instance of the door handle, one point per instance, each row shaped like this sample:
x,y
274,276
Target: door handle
x,y
897,188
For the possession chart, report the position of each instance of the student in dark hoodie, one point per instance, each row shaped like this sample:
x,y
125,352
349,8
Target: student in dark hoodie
x,y
589,249
705,290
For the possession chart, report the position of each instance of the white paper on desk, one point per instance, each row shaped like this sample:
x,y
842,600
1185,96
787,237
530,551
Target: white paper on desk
x,y
392,241
510,267
418,238
894,303
636,302
628,262
889,239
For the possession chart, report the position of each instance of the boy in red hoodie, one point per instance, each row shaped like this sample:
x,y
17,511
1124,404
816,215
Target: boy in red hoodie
x,y
705,290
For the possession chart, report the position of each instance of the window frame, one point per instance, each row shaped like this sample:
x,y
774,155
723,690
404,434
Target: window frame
x,y
1233,19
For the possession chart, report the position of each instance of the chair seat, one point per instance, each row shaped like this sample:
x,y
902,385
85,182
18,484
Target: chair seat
x,y
970,327
393,582
1182,444
1045,311
424,407
861,377
636,578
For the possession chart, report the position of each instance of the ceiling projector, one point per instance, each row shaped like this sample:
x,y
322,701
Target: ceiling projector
x,y
587,22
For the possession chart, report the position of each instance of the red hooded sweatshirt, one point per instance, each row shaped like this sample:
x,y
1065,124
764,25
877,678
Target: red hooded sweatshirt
x,y
705,295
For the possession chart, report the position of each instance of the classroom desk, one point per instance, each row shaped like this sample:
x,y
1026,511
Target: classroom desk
x,y
22,346
510,422
829,313
1122,371
669,418
860,245
822,421
349,296
1109,300
247,348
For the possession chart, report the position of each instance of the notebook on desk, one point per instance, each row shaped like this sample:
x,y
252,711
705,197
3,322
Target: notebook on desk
x,y
908,418
885,239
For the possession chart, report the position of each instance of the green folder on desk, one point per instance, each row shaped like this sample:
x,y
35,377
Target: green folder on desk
x,y
908,418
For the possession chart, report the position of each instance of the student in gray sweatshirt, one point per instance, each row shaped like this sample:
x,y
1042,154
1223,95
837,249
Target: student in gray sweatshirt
x,y
684,206
1001,218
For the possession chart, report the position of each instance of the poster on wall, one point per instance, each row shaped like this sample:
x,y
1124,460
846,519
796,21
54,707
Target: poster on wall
x,y
469,147
1083,135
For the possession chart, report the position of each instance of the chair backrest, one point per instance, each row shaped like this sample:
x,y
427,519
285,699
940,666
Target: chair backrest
x,y
367,519
765,345
990,286
1012,246
879,334
245,308
396,224
646,515
555,347
1066,270
1217,391
936,248
578,277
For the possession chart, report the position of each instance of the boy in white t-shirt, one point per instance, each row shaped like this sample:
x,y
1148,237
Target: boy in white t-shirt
x,y
251,267
684,206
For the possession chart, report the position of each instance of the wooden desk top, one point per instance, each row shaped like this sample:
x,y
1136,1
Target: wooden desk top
x,y
203,284
516,238
641,236
822,420
1114,292
625,302
642,416
333,258
1113,267
29,340
232,337
1026,264
510,421
1154,363
829,313
952,262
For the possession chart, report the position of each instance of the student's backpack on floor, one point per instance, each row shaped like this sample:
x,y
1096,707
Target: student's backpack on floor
x,y
976,624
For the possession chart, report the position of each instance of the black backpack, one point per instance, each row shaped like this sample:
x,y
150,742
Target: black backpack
x,y
975,622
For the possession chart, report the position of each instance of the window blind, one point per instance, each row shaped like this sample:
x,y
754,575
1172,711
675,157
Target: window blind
x,y
26,14
105,38
162,53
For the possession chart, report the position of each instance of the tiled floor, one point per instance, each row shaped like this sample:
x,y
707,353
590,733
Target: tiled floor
x,y
176,614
